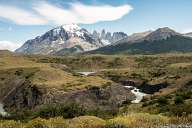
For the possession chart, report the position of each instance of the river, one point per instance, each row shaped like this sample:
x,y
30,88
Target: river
x,y
2,111
139,95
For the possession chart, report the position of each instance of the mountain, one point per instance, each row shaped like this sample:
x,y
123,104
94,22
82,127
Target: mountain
x,y
188,34
161,34
162,40
63,37
108,37
134,37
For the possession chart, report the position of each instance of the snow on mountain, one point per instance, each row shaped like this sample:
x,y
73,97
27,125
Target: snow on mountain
x,y
105,42
59,38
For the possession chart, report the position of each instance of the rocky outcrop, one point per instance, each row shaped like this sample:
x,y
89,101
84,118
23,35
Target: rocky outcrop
x,y
104,98
26,96
109,37
23,96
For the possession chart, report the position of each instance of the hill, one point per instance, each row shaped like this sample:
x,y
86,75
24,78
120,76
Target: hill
x,y
163,40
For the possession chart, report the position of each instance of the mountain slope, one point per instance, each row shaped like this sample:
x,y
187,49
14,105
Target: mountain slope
x,y
188,34
134,37
62,37
162,40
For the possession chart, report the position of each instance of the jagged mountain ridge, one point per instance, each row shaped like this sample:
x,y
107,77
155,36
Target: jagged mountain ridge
x,y
62,37
108,37
162,40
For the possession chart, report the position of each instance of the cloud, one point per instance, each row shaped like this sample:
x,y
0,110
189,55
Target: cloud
x,y
77,13
56,14
8,45
92,14
20,16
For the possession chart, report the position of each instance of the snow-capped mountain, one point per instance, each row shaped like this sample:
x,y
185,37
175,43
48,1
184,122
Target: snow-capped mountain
x,y
62,37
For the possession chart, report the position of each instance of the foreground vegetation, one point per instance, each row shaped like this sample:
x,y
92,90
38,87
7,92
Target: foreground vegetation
x,y
132,120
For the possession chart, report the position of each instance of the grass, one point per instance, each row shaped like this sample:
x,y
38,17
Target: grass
x,y
139,120
132,120
42,74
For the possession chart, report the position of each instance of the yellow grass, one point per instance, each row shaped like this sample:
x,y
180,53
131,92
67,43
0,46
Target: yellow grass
x,y
47,75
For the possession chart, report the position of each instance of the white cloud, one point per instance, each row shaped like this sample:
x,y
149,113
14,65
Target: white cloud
x,y
8,45
20,16
92,14
56,14
80,13
76,13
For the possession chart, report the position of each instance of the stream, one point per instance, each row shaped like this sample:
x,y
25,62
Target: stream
x,y
138,94
2,111
86,73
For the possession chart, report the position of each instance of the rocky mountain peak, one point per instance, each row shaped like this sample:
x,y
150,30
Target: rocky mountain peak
x,y
160,34
108,37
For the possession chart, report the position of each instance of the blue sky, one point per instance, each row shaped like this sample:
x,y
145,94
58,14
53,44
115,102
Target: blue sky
x,y
21,20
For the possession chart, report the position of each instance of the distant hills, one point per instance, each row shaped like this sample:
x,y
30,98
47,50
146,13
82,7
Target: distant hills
x,y
163,40
68,39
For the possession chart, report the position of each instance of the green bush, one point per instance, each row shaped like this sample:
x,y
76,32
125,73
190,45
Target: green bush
x,y
162,100
66,111
179,100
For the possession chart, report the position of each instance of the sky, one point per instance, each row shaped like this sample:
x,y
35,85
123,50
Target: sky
x,y
21,20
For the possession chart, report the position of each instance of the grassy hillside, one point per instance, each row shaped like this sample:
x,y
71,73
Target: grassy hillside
x,y
46,74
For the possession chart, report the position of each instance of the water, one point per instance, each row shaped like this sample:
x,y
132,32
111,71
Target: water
x,y
2,111
139,95
86,73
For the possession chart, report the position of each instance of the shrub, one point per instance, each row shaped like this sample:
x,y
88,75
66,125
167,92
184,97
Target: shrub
x,y
179,100
162,100
180,109
66,111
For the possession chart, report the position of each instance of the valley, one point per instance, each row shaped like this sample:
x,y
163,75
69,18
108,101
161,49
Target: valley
x,y
101,86
95,64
